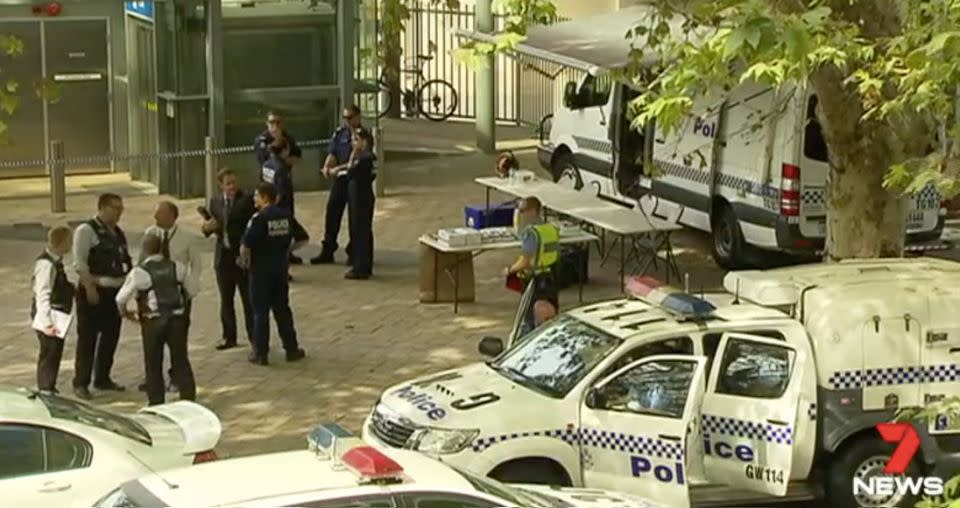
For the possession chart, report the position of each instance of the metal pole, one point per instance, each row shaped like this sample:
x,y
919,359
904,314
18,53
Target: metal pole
x,y
210,168
486,83
214,64
346,27
58,178
380,183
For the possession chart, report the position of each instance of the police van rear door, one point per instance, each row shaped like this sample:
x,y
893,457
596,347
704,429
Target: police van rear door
x,y
749,413
634,425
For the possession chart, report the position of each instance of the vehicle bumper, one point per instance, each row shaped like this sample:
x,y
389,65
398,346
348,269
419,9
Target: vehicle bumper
x,y
790,239
474,462
545,155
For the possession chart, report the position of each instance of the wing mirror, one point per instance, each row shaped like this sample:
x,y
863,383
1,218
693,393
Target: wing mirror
x,y
595,399
491,346
570,96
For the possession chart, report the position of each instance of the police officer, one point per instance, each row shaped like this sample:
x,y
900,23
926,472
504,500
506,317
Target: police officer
x,y
539,243
270,236
361,200
341,146
52,293
102,260
276,172
160,286
289,155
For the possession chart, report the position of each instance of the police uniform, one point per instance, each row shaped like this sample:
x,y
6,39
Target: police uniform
x,y
540,242
361,202
102,253
261,146
341,145
158,285
52,291
275,171
269,236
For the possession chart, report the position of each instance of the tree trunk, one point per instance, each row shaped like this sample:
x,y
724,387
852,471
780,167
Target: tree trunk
x,y
392,26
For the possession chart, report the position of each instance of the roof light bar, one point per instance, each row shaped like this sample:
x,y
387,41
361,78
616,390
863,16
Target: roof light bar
x,y
371,465
331,441
668,298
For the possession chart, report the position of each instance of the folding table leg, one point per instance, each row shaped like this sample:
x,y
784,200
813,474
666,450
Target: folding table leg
x,y
456,284
623,260
609,251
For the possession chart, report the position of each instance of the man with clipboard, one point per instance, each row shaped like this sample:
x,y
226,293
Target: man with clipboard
x,y
52,305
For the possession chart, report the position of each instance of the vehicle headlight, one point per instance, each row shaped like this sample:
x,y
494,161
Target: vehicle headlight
x,y
441,441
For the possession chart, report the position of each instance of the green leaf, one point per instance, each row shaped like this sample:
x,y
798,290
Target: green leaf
x,y
11,86
939,42
8,103
734,43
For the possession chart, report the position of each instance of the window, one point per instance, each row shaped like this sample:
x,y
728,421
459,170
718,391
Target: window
x,y
595,91
674,346
66,451
814,145
515,497
78,412
21,449
555,357
711,342
658,388
372,501
751,369
443,500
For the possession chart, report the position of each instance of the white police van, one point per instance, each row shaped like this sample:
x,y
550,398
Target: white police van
x,y
719,174
769,390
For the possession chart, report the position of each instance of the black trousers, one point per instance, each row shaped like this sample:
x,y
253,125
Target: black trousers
x,y
98,331
270,291
48,362
170,332
544,288
361,202
336,205
230,279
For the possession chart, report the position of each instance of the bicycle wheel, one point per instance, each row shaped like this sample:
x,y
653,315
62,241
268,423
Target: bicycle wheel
x,y
438,100
383,96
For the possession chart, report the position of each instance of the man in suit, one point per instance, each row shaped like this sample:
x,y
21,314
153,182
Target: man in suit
x,y
230,212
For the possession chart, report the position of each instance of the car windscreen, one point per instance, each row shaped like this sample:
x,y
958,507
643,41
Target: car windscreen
x,y
501,491
556,356
78,412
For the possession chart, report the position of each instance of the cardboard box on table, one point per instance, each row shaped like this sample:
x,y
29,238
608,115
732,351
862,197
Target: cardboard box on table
x,y
437,270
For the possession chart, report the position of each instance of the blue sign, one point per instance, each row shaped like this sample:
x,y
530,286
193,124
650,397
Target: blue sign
x,y
140,9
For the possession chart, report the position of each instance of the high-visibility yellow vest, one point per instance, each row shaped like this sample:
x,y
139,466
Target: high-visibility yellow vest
x,y
548,237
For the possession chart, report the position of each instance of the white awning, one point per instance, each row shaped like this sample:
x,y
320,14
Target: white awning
x,y
593,44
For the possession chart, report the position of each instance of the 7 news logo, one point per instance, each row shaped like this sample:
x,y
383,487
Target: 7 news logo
x,y
895,482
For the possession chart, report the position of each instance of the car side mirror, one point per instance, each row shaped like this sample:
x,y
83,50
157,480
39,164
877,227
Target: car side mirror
x,y
491,346
595,399
570,96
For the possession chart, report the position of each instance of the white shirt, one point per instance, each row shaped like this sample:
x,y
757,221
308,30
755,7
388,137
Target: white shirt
x,y
43,287
85,238
183,251
139,280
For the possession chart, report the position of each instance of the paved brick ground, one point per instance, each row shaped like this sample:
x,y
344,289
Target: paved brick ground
x,y
360,336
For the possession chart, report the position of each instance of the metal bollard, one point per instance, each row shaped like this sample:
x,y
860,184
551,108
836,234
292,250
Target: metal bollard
x,y
57,167
210,168
379,185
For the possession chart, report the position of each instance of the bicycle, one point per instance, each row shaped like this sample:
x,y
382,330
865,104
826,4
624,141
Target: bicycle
x,y
436,99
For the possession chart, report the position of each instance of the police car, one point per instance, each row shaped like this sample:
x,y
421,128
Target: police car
x,y
338,470
769,390
55,450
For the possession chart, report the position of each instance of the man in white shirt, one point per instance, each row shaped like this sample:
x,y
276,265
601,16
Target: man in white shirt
x,y
160,287
176,246
52,292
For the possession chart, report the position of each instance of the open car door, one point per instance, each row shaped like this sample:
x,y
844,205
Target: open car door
x,y
749,413
634,427
524,308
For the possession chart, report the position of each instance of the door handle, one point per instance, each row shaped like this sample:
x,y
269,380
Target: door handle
x,y
54,487
777,422
954,350
667,437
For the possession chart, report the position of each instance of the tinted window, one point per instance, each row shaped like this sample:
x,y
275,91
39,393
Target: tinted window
x,y
74,411
556,356
21,450
711,342
66,451
595,91
814,146
755,370
674,346
438,500
374,501
496,489
655,388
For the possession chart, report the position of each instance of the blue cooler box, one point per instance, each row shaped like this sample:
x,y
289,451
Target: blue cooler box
x,y
498,215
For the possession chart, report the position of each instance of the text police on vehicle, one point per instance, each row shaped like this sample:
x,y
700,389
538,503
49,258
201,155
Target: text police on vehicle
x,y
767,388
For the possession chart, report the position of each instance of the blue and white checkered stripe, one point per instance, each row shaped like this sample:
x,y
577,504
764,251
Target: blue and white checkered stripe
x,y
855,379
925,199
812,411
770,433
615,441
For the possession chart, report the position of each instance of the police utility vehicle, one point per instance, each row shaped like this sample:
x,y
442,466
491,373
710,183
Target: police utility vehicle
x,y
749,166
770,390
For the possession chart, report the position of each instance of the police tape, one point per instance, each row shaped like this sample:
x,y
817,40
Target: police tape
x,y
106,159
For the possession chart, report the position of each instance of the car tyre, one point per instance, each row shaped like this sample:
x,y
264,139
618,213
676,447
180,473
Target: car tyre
x,y
863,458
565,172
532,472
727,243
